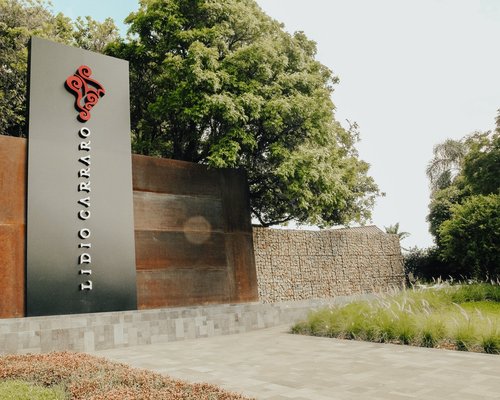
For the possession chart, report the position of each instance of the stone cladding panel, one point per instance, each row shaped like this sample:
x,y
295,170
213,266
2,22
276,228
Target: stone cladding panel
x,y
300,265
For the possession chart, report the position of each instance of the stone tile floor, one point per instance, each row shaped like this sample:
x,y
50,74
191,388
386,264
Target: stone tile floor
x,y
272,364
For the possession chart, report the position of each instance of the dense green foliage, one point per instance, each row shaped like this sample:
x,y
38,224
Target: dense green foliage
x,y
215,82
221,83
18,21
429,317
471,237
481,165
440,208
464,212
427,264
21,19
92,35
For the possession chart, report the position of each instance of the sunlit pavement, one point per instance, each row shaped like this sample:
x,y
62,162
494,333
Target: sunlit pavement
x,y
273,364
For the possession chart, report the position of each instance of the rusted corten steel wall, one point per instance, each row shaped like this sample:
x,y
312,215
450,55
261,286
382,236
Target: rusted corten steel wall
x,y
193,234
12,225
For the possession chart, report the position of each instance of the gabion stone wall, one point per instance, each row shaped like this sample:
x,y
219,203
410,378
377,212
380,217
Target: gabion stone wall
x,y
298,265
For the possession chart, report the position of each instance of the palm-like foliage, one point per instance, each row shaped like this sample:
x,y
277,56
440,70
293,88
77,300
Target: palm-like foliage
x,y
445,165
394,230
497,121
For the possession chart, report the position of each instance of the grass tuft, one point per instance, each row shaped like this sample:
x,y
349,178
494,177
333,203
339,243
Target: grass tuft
x,y
476,292
20,390
491,344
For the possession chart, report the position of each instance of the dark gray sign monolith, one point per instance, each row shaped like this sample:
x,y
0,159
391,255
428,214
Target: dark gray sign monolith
x,y
80,227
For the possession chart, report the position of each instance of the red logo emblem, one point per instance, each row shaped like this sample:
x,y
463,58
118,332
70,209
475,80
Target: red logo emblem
x,y
86,90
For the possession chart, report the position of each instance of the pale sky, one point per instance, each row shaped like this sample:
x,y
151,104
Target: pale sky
x,y
412,74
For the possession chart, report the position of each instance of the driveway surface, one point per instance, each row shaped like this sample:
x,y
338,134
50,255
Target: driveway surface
x,y
273,364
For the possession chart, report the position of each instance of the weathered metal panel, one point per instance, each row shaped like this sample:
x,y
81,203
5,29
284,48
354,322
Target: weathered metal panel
x,y
11,270
239,239
12,180
193,234
163,250
182,287
239,247
183,213
228,280
172,176
12,226
208,260
235,200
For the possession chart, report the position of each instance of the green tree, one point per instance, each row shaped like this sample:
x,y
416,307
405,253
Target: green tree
x,y
93,35
471,237
463,213
477,172
21,19
446,162
221,83
440,208
481,165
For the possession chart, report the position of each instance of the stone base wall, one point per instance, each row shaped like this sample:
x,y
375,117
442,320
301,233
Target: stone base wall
x,y
298,265
100,331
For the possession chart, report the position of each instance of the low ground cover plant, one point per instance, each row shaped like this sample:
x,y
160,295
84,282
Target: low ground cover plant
x,y
78,376
20,390
459,317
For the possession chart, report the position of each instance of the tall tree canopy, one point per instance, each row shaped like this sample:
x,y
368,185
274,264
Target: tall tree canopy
x,y
92,35
215,82
221,83
471,236
464,212
21,19
445,165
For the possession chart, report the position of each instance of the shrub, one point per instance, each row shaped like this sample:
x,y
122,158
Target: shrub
x,y
471,237
426,265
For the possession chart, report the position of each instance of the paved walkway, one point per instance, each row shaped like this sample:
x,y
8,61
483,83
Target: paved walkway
x,y
272,364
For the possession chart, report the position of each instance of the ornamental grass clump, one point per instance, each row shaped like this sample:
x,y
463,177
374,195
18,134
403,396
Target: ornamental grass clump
x,y
490,342
432,330
453,317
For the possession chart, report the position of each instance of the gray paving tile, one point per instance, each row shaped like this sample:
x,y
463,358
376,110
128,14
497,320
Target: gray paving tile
x,y
272,364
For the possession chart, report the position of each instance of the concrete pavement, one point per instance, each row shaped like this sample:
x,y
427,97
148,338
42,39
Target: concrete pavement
x,y
272,364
